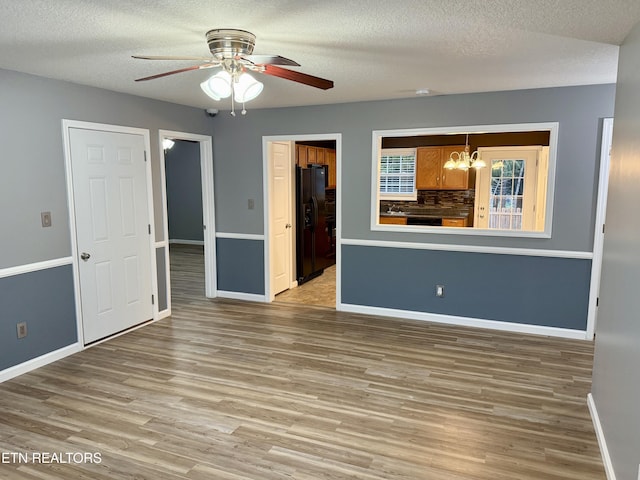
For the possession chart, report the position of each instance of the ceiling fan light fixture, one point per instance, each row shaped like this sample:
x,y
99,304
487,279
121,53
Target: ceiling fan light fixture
x,y
246,88
232,51
218,86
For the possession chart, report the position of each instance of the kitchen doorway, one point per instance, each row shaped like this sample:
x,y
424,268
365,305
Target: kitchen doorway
x,y
307,217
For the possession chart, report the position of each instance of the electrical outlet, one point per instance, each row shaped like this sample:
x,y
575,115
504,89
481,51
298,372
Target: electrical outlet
x,y
45,217
252,204
440,291
22,329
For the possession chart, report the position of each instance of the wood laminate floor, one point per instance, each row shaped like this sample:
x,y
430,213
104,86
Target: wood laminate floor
x,y
231,390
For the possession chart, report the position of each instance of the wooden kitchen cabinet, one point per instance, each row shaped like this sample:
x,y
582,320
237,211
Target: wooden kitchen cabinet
x,y
393,220
306,155
454,179
301,156
311,155
319,153
330,159
428,168
430,171
454,222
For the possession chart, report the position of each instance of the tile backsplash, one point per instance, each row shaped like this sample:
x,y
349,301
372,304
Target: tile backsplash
x,y
453,199
446,198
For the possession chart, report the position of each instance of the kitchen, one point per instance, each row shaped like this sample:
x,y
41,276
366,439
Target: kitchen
x,y
315,208
314,225
424,182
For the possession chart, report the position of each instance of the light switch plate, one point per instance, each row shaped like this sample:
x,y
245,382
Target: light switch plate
x,y
22,329
46,219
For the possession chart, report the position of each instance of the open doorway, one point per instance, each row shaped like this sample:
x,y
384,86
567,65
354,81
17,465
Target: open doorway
x,y
302,219
188,209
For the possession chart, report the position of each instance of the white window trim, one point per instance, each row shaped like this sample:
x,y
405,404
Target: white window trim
x,y
378,135
399,196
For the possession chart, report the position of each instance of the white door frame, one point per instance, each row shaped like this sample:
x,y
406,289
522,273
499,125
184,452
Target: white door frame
x,y
598,236
66,126
208,211
266,189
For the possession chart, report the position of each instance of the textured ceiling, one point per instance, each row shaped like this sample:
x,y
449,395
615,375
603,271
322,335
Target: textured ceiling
x,y
370,49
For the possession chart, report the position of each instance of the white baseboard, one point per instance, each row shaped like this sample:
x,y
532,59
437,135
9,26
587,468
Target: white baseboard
x,y
250,297
604,451
465,321
185,242
41,361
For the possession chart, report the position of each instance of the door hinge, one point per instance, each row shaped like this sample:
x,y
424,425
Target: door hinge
x,y
603,228
149,229
153,300
597,301
145,155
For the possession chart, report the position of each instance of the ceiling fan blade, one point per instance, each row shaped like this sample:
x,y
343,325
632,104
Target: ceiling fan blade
x,y
270,60
170,57
160,75
299,77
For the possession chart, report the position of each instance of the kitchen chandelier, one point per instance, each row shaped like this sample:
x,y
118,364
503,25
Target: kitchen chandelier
x,y
232,82
463,160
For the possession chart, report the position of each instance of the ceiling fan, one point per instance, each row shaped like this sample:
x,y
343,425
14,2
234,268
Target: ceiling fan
x,y
232,50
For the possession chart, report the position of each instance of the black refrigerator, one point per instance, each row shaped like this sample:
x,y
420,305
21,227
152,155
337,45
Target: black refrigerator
x,y
313,246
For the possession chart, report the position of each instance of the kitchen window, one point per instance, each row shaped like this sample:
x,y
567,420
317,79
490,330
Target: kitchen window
x,y
398,174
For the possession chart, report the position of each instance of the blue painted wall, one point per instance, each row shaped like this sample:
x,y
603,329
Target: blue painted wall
x,y
542,291
45,300
184,191
240,265
162,279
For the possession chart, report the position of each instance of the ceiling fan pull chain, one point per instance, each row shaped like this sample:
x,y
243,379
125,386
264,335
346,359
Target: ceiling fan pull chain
x,y
233,100
244,111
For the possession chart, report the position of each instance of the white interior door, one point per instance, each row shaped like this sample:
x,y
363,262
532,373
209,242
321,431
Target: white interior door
x,y
112,230
506,189
281,236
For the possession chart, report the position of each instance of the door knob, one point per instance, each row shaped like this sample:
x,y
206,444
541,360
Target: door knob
x,y
85,256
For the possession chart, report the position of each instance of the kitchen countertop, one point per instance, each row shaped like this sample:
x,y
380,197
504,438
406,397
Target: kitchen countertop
x,y
427,213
